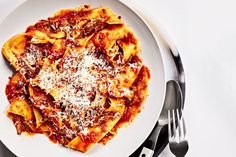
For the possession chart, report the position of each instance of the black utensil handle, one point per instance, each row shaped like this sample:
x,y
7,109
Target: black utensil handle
x,y
153,137
151,141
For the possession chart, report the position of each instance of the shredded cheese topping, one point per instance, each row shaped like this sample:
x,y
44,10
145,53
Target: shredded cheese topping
x,y
80,78
76,86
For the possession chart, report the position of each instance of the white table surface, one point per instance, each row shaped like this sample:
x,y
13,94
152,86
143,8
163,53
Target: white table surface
x,y
205,34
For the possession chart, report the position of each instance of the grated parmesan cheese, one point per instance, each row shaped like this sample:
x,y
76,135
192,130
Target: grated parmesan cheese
x,y
79,85
47,79
32,56
76,86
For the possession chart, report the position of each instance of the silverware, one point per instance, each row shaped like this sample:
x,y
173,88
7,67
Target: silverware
x,y
173,100
150,143
177,133
167,47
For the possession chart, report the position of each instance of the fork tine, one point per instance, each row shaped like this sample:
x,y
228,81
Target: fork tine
x,y
174,125
169,125
179,125
183,124
178,144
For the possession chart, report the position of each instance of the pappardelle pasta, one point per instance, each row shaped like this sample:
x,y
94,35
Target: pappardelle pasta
x,y
79,77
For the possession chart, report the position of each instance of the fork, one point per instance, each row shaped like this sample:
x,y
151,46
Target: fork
x,y
177,133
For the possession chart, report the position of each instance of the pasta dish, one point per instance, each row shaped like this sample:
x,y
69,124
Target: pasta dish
x,y
78,77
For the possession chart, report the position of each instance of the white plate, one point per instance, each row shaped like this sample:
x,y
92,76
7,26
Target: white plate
x,y
128,138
